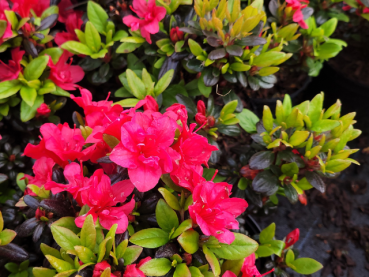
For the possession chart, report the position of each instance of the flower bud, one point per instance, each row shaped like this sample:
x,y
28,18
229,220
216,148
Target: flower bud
x,y
292,238
248,173
200,119
43,110
201,107
176,35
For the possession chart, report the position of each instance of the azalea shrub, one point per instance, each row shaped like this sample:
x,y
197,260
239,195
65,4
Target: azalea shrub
x,y
139,174
299,146
125,194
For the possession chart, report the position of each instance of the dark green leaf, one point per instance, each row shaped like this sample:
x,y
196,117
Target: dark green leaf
x,y
266,182
315,180
262,160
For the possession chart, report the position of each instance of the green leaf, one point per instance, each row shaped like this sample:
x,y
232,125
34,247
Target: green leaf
x,y
60,92
182,271
267,119
136,85
184,226
171,200
131,255
102,249
43,272
28,95
97,16
262,160
6,236
290,256
298,137
267,234
58,264
195,47
324,125
110,243
290,169
212,260
315,108
121,249
1,222
35,68
329,27
76,47
164,82
233,265
248,120
241,247
128,47
195,272
150,238
28,112
65,237
93,39
189,240
166,217
4,109
306,266
47,250
9,88
127,103
202,88
337,165
88,233
69,223
133,40
268,58
266,182
53,52
85,254
156,267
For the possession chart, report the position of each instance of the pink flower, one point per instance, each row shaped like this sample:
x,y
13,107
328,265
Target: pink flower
x,y
24,7
65,11
65,75
4,6
101,197
297,6
99,269
43,171
133,270
249,269
144,149
43,111
100,113
292,238
73,173
150,16
60,143
215,212
72,22
195,151
151,104
11,70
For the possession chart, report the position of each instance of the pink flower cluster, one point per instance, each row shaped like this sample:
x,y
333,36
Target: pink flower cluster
x,y
149,144
297,6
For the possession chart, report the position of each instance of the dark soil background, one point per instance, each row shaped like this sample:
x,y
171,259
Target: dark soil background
x,y
334,227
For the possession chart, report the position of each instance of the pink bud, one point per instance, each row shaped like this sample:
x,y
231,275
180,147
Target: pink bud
x,y
292,238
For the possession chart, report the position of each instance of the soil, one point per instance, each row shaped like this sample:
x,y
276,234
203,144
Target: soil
x,y
353,63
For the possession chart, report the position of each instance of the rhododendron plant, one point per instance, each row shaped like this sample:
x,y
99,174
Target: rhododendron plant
x,y
149,17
